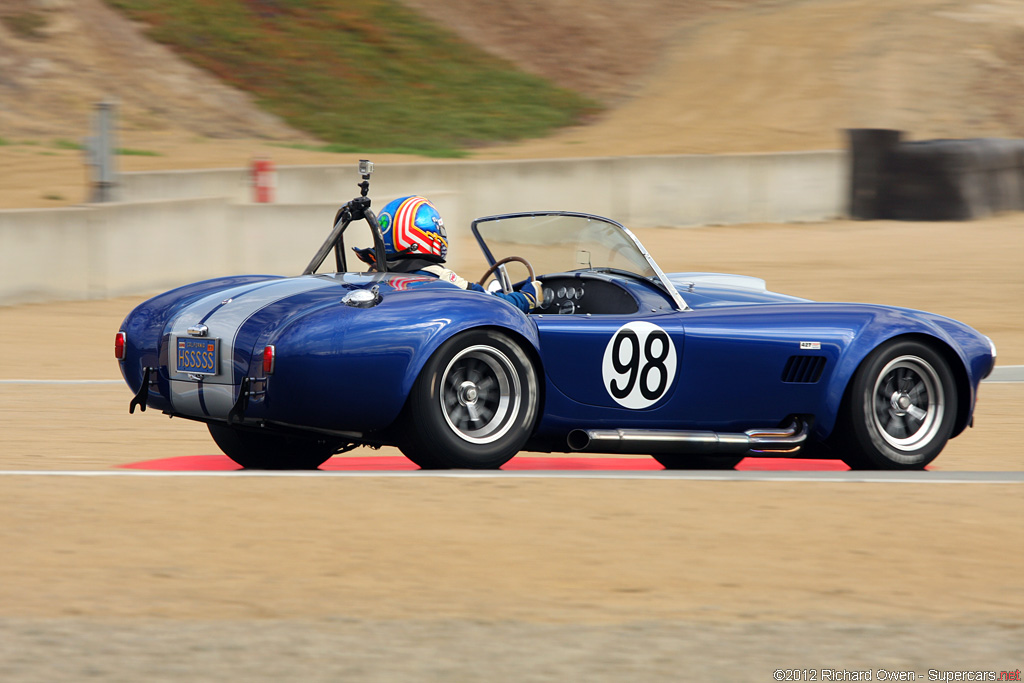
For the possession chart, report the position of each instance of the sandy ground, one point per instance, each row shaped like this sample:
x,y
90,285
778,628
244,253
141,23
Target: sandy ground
x,y
509,579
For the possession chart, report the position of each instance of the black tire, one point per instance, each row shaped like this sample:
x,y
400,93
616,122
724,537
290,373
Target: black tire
x,y
676,461
473,406
268,450
900,409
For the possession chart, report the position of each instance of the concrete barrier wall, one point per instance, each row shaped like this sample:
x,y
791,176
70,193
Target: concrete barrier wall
x,y
278,239
658,191
182,226
145,186
106,250
42,254
732,189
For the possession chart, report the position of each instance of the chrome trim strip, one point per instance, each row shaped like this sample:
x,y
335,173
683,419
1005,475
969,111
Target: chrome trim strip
x,y
752,442
669,287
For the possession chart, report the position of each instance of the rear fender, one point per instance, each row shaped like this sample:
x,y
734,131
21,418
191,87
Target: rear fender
x,y
482,313
348,368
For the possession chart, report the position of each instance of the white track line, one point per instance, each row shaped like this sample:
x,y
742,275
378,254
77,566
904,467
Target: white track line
x,y
61,381
1007,373
1002,373
669,475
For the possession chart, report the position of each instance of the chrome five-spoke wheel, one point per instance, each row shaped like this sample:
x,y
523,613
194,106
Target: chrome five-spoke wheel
x,y
900,410
473,405
480,394
909,403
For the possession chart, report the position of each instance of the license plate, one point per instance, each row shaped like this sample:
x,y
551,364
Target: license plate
x,y
198,356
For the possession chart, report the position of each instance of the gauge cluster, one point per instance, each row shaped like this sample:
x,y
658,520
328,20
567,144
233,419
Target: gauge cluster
x,y
568,295
562,299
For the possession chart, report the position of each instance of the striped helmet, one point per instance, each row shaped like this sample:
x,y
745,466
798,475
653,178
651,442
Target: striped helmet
x,y
411,226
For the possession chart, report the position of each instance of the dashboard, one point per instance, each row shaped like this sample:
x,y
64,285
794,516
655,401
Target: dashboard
x,y
581,294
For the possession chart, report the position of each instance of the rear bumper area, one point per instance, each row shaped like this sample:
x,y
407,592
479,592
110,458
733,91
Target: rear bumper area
x,y
202,399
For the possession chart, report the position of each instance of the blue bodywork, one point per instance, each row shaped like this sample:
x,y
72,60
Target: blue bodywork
x,y
734,346
742,357
337,367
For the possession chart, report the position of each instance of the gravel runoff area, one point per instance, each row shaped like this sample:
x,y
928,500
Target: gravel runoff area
x,y
341,649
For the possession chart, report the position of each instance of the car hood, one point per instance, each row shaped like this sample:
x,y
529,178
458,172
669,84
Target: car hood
x,y
708,290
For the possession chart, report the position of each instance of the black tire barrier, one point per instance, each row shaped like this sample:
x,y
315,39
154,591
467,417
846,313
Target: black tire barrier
x,y
933,180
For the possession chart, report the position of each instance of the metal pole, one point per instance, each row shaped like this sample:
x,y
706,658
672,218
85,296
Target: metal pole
x,y
100,152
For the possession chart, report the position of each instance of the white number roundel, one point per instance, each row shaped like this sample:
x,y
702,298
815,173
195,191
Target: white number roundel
x,y
639,365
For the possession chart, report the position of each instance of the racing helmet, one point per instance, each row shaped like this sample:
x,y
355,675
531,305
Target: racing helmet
x,y
411,226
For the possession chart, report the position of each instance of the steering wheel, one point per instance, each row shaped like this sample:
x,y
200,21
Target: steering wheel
x,y
506,287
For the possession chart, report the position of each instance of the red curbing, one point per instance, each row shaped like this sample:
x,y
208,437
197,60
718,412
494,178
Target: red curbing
x,y
388,463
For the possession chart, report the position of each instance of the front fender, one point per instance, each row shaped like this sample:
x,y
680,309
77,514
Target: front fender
x,y
966,349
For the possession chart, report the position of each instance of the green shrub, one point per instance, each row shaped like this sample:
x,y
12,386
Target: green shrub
x,y
28,25
372,75
67,144
129,152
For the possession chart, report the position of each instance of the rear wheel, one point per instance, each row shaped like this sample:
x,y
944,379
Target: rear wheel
x,y
473,405
900,410
268,450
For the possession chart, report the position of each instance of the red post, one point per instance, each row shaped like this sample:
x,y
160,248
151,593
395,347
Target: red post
x,y
264,180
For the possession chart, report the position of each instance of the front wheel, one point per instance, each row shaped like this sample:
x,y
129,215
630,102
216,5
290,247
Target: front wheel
x,y
266,450
473,405
901,409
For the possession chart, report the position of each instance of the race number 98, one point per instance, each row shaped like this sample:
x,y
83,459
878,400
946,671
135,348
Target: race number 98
x,y
639,365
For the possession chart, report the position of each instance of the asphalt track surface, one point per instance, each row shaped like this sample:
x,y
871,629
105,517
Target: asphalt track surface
x,y
871,477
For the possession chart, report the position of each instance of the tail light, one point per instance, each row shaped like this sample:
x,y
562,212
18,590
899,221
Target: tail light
x,y
268,359
119,342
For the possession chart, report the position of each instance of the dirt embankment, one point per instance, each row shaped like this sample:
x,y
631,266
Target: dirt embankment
x,y
708,76
59,57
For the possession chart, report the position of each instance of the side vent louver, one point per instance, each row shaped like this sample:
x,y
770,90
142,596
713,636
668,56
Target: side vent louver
x,y
803,369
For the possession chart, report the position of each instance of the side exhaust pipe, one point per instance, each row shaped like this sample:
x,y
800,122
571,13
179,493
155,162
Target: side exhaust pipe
x,y
753,442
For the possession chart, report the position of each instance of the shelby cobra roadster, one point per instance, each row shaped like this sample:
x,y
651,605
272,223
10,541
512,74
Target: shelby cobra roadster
x,y
697,370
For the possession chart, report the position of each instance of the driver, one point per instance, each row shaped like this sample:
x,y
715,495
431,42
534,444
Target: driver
x,y
415,241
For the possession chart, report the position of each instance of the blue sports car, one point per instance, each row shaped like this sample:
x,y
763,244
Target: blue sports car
x,y
698,370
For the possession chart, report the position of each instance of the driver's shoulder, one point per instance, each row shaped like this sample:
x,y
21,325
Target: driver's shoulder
x,y
446,274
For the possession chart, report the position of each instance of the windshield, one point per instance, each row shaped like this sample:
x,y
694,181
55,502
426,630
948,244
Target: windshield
x,y
563,242
556,243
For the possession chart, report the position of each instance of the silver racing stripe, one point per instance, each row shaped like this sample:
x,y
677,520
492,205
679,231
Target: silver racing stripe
x,y
224,313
